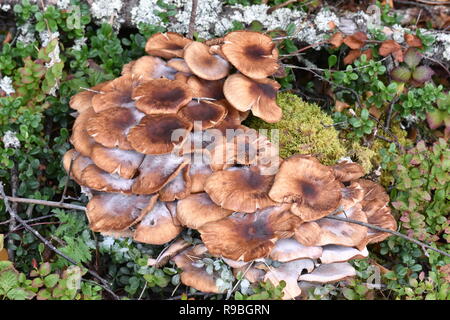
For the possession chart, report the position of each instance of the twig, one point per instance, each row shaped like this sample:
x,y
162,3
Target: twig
x,y
204,294
191,29
387,123
104,284
239,281
281,5
44,203
398,234
12,221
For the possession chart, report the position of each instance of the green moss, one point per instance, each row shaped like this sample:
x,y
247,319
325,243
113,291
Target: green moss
x,y
304,129
363,155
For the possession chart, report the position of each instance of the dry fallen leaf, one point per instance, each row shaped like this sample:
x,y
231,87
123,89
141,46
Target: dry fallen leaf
x,y
356,40
352,56
337,39
413,41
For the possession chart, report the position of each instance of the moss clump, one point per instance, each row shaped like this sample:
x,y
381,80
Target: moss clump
x,y
304,129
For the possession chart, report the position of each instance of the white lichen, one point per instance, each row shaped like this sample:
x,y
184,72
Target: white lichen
x,y
5,7
79,43
10,140
63,4
144,12
107,11
323,19
6,85
26,33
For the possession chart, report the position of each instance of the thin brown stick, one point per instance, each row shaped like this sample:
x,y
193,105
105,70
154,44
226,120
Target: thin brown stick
x,y
281,5
398,234
191,29
44,203
104,284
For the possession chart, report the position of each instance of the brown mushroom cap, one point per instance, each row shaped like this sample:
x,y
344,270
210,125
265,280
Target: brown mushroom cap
x,y
206,89
110,127
74,162
116,93
258,95
167,45
204,64
83,100
372,191
241,189
248,236
252,274
158,134
252,53
327,273
347,171
156,171
351,195
148,68
327,231
80,138
159,225
333,253
309,184
193,276
95,178
162,96
198,209
381,217
289,272
179,65
108,212
124,163
178,188
127,67
168,253
290,249
207,113
199,171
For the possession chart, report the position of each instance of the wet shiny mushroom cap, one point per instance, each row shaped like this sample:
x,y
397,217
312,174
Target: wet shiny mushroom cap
x,y
161,96
167,45
309,185
252,53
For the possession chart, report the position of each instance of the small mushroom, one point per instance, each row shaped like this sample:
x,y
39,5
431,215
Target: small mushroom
x,y
179,65
197,209
204,64
193,276
241,189
158,134
289,272
156,171
290,249
83,100
159,225
203,114
124,163
248,236
75,163
80,138
97,179
116,93
148,68
252,53
310,185
168,253
346,171
110,127
327,273
206,89
161,96
178,188
109,212
258,95
329,231
333,253
167,45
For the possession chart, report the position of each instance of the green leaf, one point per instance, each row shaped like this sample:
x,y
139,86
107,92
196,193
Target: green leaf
x,y
51,280
45,269
332,60
412,58
422,74
401,74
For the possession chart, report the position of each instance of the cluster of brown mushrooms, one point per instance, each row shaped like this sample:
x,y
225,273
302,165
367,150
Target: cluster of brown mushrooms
x,y
154,151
